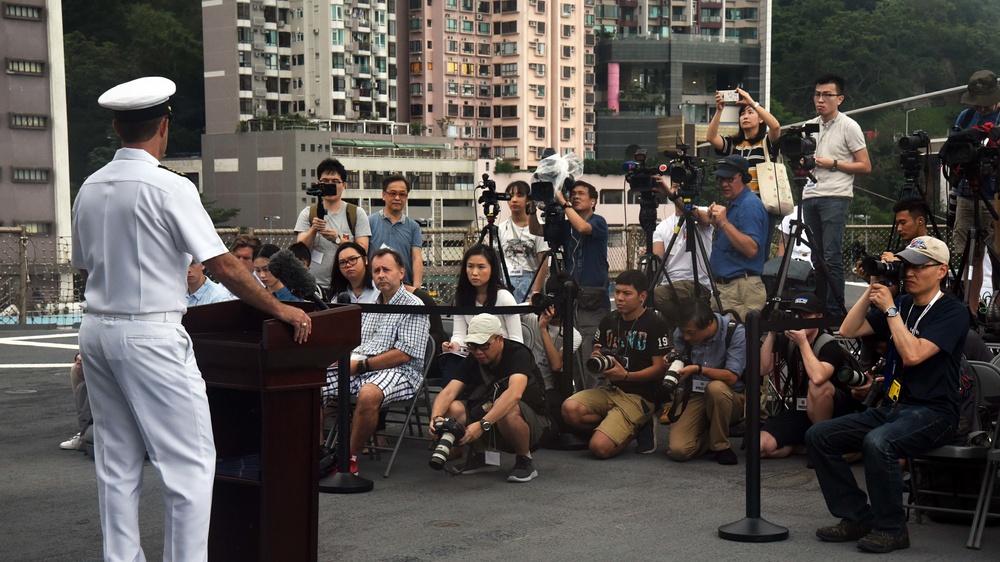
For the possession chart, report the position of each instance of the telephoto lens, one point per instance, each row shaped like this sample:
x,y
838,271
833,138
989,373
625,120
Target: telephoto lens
x,y
599,364
672,379
450,431
850,377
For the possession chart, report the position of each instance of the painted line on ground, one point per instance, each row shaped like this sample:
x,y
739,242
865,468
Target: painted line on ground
x,y
37,366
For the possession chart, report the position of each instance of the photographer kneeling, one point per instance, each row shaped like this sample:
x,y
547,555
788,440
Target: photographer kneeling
x,y
628,355
505,390
926,331
715,363
812,364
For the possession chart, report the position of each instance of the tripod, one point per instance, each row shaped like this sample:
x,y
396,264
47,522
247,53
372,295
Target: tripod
x,y
801,176
491,233
971,245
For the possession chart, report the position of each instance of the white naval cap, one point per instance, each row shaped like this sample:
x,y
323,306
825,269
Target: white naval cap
x,y
140,99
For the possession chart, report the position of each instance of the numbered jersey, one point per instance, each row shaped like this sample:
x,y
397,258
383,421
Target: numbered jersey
x,y
638,343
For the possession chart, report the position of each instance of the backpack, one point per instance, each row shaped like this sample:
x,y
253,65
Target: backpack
x,y
821,340
352,214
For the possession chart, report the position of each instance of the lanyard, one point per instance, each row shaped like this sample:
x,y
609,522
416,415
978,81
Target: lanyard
x,y
890,358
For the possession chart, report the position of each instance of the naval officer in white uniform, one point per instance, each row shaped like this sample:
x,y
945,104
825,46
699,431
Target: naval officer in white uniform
x,y
136,227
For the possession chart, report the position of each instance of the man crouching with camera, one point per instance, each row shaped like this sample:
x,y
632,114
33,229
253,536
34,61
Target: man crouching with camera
x,y
628,354
505,409
926,333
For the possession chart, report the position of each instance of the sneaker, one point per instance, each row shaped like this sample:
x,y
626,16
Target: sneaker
x,y
726,456
476,463
73,443
353,466
844,531
880,542
645,439
523,470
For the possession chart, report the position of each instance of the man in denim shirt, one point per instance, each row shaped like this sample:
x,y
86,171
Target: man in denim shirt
x,y
738,251
716,371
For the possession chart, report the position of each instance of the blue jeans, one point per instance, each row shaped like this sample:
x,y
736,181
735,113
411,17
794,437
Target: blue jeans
x,y
883,435
522,285
827,217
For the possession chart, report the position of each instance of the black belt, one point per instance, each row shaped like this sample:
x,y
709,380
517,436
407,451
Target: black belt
x,y
727,280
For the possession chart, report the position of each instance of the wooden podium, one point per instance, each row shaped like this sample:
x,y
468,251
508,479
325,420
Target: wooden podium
x,y
264,394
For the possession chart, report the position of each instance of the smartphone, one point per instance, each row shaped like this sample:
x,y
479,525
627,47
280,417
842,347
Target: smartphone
x,y
730,96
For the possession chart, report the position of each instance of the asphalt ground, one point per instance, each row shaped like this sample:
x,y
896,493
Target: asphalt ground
x,y
633,507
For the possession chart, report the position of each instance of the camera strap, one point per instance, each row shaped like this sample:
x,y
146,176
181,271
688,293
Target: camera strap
x,y
678,406
892,384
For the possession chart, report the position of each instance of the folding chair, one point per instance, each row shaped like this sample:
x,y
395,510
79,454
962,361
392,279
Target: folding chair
x,y
953,458
990,475
410,409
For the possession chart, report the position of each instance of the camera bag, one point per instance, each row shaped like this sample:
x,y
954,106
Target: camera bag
x,y
773,186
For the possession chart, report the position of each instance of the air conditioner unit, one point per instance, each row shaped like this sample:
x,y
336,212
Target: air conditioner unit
x,y
311,111
315,31
532,66
479,17
532,23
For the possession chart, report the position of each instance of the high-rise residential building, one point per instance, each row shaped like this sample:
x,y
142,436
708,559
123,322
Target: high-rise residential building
x,y
34,176
503,79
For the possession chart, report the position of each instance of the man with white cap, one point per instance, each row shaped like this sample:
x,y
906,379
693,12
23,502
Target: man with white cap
x,y
146,392
926,332
983,98
505,389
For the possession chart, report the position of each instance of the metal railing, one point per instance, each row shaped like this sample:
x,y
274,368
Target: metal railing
x,y
39,287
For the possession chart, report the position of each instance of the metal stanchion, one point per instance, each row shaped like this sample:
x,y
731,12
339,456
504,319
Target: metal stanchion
x,y
343,482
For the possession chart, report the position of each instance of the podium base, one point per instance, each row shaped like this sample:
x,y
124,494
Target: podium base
x,y
567,442
753,529
344,483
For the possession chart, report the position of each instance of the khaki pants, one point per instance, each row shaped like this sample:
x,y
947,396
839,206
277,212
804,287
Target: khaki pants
x,y
666,299
743,295
704,424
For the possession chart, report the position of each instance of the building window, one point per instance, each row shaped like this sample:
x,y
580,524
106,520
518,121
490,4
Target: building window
x,y
22,12
30,175
22,121
32,67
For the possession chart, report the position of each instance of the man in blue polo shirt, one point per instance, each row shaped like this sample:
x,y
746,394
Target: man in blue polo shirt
x,y
392,229
738,251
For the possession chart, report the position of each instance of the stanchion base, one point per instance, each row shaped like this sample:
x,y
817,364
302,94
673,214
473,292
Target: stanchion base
x,y
567,442
344,483
753,529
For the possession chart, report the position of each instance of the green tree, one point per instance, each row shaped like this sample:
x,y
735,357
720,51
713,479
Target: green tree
x,y
219,216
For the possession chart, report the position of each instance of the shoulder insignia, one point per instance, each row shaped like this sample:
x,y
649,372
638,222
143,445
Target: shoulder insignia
x,y
181,174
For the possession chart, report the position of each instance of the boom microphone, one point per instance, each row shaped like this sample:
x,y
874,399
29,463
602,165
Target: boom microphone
x,y
289,270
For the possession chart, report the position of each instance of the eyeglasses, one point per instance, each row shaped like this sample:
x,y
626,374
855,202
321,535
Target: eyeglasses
x,y
730,179
480,346
336,183
395,194
824,95
347,262
922,266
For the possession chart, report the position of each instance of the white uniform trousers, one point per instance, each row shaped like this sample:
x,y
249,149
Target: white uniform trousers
x,y
147,394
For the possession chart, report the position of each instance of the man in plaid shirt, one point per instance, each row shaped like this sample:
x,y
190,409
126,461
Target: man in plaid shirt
x,y
389,363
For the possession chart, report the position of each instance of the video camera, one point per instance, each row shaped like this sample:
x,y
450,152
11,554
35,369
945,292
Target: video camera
x,y
909,157
638,175
553,171
798,145
687,171
490,198
972,154
322,190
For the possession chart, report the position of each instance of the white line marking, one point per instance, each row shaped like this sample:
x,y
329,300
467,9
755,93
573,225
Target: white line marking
x,y
37,366
39,344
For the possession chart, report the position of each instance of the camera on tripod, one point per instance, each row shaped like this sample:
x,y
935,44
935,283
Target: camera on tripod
x,y
798,145
449,432
490,196
972,154
605,361
686,171
638,175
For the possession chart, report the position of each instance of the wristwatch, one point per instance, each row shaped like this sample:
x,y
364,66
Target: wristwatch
x,y
834,166
891,311
362,367
486,425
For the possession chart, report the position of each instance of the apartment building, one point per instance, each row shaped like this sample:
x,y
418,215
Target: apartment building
x,y
34,179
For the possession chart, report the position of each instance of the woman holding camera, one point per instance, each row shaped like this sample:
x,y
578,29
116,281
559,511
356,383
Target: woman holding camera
x,y
756,140
478,285
524,252
351,274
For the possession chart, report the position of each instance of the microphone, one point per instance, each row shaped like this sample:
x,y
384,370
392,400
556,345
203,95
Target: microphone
x,y
629,166
344,298
289,270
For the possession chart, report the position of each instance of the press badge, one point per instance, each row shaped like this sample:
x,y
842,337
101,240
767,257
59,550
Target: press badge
x,y
894,389
800,404
698,385
493,458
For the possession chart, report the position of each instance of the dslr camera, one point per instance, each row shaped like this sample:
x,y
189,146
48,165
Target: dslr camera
x,y
672,379
605,360
873,266
449,432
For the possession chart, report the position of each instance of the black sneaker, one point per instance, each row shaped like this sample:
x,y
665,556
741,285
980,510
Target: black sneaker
x,y
726,456
645,438
523,470
880,542
844,531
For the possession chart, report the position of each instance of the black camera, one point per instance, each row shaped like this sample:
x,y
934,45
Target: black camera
x,y
971,154
797,142
687,171
449,431
604,361
490,195
322,190
877,391
875,267
915,141
637,174
672,379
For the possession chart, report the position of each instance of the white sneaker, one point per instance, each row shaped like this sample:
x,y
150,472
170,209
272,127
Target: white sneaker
x,y
73,443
